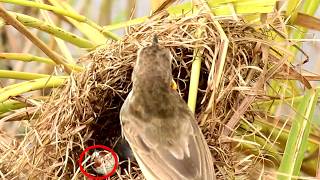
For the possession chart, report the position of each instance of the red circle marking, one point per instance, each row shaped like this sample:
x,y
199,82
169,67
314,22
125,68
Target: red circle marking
x,y
115,157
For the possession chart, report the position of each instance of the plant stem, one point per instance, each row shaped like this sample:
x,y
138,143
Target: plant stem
x,y
36,41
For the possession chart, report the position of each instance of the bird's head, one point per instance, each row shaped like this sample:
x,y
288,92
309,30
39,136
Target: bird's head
x,y
153,64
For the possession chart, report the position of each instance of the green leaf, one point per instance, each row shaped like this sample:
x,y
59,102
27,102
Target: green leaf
x,y
20,88
195,69
298,137
54,9
61,44
10,105
54,30
20,75
28,58
91,30
124,24
228,7
292,9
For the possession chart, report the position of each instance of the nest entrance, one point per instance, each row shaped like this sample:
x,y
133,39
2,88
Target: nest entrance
x,y
86,110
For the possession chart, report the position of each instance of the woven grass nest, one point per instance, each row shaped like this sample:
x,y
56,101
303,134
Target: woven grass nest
x,y
85,111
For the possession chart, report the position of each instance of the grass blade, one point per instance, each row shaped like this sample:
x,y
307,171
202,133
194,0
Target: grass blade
x,y
298,137
10,105
54,30
26,58
36,41
29,58
20,88
20,75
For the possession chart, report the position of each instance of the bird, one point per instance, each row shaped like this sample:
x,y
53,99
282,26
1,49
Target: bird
x,y
159,126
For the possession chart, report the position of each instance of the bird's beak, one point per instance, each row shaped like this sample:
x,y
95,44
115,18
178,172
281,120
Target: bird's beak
x,y
173,85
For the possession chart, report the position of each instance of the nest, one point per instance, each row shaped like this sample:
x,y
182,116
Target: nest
x,y
85,111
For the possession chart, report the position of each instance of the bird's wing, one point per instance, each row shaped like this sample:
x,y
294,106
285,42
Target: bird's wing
x,y
158,162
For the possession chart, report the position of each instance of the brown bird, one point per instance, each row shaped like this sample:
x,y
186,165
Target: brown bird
x,y
159,126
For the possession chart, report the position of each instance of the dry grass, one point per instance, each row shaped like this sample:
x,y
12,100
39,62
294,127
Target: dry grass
x,y
86,110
